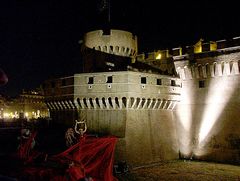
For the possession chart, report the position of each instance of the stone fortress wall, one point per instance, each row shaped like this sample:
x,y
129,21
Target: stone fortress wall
x,y
207,116
117,42
158,117
129,105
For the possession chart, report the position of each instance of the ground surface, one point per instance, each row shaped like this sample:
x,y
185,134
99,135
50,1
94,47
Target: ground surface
x,y
183,171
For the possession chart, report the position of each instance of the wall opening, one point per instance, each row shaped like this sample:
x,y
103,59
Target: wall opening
x,y
110,102
117,102
201,83
159,81
124,101
173,83
91,102
90,80
85,102
109,79
104,102
143,80
97,102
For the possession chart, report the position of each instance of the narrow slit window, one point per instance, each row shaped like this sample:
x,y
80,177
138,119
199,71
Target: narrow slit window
x,y
90,80
159,81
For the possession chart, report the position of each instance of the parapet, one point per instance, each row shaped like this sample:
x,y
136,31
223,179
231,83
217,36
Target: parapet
x,y
117,42
200,47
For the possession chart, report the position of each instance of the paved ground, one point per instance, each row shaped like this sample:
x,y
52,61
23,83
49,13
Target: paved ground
x,y
184,171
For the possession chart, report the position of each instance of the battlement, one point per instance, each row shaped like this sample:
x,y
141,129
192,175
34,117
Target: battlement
x,y
197,49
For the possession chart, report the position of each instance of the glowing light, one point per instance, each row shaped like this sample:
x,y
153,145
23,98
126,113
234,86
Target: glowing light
x,y
6,115
159,56
26,114
213,46
219,95
184,113
198,46
38,113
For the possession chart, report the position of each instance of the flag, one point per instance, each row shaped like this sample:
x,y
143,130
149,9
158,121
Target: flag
x,y
103,5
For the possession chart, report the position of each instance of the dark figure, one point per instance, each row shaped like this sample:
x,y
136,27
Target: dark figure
x,y
3,77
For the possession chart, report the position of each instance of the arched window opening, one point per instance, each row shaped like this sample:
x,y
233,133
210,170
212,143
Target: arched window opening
x,y
110,102
85,102
104,102
117,102
91,102
124,101
97,102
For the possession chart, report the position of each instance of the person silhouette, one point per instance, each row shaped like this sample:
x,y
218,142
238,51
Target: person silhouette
x,y
3,77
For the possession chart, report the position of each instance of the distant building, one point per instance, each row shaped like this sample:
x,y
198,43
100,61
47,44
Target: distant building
x,y
29,105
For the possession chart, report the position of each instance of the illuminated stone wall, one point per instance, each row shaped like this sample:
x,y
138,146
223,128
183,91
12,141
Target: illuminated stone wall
x,y
145,135
116,42
208,115
150,137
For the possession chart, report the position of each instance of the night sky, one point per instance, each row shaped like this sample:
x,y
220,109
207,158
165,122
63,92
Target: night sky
x,y
39,39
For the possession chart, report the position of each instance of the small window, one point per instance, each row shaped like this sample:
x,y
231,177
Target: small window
x,y
143,80
111,49
201,84
173,82
109,79
63,82
90,80
159,81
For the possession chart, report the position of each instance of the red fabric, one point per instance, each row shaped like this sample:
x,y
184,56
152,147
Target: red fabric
x,y
75,173
24,151
94,155
91,156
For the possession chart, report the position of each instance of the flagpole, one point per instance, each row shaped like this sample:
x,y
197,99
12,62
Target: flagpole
x,y
109,12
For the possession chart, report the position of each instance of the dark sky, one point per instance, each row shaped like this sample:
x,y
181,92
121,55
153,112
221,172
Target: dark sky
x,y
39,39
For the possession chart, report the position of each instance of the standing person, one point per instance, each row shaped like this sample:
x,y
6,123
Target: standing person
x,y
26,144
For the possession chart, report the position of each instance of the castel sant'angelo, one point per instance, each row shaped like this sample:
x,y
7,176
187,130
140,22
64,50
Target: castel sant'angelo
x,y
168,104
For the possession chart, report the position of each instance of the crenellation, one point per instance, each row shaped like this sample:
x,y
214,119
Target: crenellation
x,y
66,105
208,70
61,105
57,107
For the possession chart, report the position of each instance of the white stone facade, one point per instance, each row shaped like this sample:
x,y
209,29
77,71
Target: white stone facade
x,y
119,90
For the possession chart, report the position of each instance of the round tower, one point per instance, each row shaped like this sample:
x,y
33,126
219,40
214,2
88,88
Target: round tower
x,y
117,42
